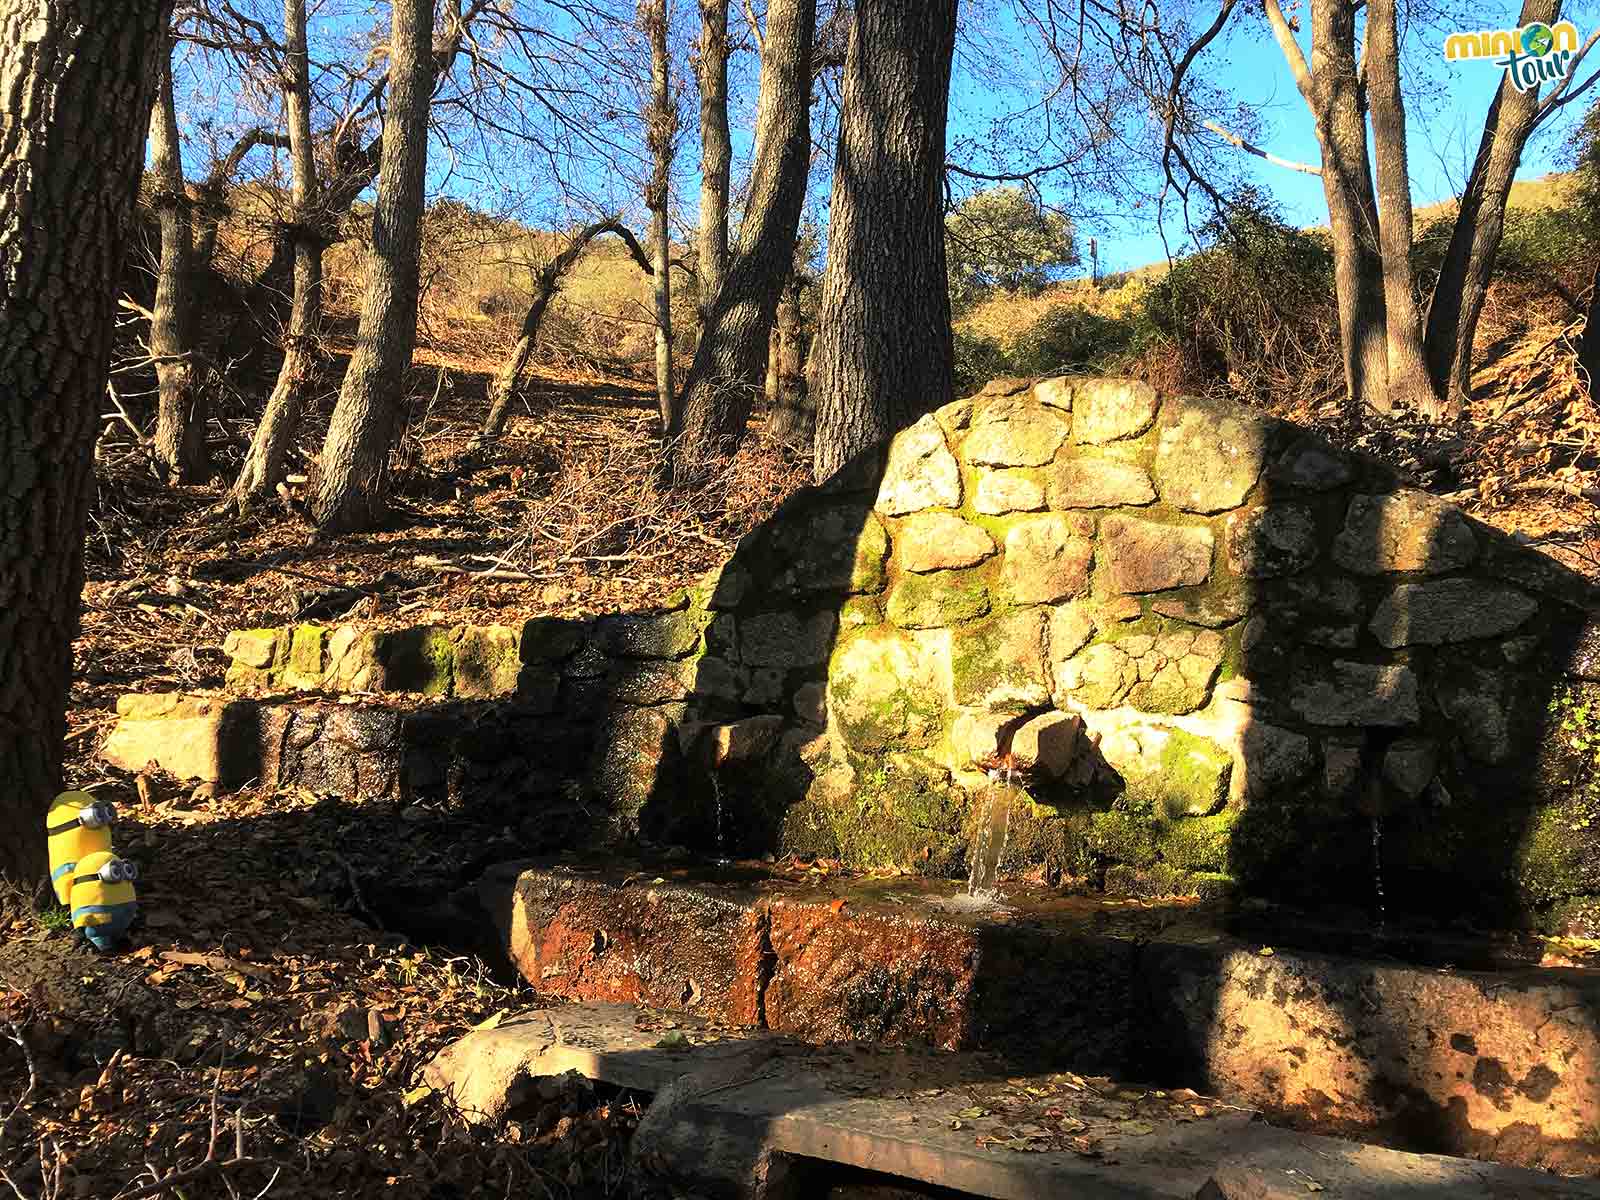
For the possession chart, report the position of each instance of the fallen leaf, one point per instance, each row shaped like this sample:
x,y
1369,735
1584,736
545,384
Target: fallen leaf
x,y
973,1112
493,1021
838,905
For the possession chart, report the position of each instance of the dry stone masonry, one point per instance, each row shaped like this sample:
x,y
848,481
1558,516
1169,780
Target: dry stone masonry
x,y
1229,653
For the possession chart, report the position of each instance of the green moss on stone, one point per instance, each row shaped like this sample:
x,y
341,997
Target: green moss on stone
x,y
304,666
1120,836
1191,778
1198,843
487,661
899,814
938,600
859,612
419,660
1560,853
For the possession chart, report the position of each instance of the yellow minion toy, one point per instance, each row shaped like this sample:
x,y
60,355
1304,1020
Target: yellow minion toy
x,y
103,903
78,826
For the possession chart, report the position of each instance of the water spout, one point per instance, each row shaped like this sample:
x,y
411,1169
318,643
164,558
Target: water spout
x,y
994,832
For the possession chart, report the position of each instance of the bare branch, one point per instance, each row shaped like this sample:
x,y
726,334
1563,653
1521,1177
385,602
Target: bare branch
x,y
1252,148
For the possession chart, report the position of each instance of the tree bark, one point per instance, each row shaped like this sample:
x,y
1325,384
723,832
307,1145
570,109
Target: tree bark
x,y
716,150
180,445
355,455
1409,385
1458,293
1332,91
794,417
730,361
263,465
883,352
545,285
80,81
661,125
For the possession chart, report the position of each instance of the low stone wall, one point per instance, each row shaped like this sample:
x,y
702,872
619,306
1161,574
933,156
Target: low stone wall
x,y
1292,672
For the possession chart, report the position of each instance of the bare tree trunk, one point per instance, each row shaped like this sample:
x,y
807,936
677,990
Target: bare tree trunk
x,y
794,417
355,456
80,81
883,352
302,355
1463,281
180,442
661,123
1409,385
1332,91
730,360
716,150
545,285
774,360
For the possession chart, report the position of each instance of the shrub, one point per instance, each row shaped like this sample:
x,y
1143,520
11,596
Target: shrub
x,y
1252,311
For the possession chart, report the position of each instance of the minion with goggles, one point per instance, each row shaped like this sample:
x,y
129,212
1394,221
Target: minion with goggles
x,y
78,825
103,902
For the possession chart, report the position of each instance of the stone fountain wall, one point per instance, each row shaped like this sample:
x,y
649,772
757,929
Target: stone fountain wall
x,y
1277,651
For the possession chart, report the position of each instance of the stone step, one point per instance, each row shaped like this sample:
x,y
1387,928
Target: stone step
x,y
739,1115
1496,1065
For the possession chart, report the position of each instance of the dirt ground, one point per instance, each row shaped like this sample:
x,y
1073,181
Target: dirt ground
x,y
270,1007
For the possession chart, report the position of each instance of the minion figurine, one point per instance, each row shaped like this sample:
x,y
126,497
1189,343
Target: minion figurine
x,y
103,903
78,825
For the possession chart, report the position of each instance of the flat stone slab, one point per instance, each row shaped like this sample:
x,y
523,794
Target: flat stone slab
x,y
1499,1065
726,1104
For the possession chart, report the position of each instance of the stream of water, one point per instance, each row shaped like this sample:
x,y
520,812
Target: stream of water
x,y
1377,868
994,832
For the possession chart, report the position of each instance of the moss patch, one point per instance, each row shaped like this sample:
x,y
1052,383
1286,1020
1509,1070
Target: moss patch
x,y
938,600
420,660
899,814
1198,843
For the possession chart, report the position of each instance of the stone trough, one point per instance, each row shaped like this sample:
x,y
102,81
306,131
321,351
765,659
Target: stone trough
x,y
1498,1065
744,1116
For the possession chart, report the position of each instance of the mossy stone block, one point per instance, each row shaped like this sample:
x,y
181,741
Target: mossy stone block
x,y
419,660
938,600
549,639
304,668
487,661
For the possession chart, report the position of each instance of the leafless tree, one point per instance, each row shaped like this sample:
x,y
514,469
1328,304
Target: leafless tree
x,y
354,463
546,282
180,441
661,130
730,361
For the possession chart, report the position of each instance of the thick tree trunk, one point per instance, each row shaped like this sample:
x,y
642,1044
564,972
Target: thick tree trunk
x,y
355,456
1463,281
180,442
661,125
545,286
1332,91
730,361
716,150
80,80
883,353
1409,385
794,417
302,356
